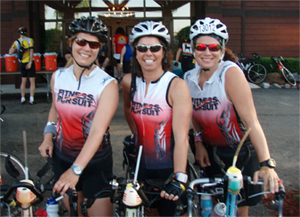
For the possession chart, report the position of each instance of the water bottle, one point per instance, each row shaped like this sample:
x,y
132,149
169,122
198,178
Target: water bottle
x,y
52,208
219,210
206,205
235,183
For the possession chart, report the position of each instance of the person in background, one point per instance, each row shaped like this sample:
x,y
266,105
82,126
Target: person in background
x,y
126,57
223,109
103,60
27,63
68,47
84,100
158,113
119,41
187,60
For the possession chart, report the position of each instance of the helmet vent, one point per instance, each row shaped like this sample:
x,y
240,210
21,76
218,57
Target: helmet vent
x,y
155,26
145,26
138,30
162,30
219,26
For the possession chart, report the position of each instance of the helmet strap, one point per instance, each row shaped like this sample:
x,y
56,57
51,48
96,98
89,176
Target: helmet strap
x,y
86,67
208,69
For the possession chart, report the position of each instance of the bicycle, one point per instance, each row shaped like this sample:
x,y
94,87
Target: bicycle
x,y
226,189
130,197
15,181
289,77
254,72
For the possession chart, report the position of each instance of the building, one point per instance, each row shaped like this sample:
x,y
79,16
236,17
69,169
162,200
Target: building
x,y
270,28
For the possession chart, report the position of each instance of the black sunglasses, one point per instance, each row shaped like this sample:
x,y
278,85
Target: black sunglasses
x,y
153,48
82,42
211,47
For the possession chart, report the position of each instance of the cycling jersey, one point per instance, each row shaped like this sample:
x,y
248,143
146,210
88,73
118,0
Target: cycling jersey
x,y
128,53
27,43
152,114
221,124
76,110
120,41
188,60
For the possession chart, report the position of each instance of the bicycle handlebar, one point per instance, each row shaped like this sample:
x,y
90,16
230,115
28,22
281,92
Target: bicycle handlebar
x,y
31,187
279,196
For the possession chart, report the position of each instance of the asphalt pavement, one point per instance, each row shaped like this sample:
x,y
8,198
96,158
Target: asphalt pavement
x,y
277,109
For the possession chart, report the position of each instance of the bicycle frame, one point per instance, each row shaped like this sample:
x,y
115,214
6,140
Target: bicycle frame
x,y
284,71
232,183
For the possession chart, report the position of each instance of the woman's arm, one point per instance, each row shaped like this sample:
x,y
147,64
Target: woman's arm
x,y
201,155
239,92
47,144
126,84
180,100
122,54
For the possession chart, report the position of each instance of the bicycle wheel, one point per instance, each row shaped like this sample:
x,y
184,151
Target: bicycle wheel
x,y
12,169
289,77
257,73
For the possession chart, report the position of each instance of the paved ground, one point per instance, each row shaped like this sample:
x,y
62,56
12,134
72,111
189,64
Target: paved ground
x,y
278,112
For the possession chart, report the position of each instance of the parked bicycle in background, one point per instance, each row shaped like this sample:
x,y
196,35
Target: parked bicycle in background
x,y
289,77
254,72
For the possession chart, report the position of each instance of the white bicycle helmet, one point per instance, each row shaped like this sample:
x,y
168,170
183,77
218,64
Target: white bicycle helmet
x,y
209,26
147,28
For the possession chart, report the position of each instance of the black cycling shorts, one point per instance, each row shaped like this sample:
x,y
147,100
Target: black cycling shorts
x,y
101,59
94,178
126,66
226,155
28,72
187,63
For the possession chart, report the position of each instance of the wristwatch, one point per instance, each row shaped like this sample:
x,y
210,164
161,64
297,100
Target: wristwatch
x,y
181,177
77,170
271,163
51,123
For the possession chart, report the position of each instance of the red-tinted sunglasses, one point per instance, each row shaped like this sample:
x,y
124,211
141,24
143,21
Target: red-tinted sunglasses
x,y
211,47
82,42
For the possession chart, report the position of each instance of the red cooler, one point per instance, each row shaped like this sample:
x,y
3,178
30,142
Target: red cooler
x,y
50,61
37,61
11,62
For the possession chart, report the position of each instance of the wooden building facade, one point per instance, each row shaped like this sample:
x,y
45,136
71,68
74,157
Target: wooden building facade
x,y
270,28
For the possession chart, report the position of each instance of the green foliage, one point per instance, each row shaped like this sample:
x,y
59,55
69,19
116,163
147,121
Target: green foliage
x,y
184,33
53,38
292,64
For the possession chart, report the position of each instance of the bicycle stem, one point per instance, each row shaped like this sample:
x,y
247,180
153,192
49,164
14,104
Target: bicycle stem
x,y
137,164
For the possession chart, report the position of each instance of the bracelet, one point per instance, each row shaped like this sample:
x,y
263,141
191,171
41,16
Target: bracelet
x,y
197,133
198,138
50,128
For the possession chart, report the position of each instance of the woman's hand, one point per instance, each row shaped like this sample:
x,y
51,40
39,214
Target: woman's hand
x,y
201,156
46,148
270,178
67,180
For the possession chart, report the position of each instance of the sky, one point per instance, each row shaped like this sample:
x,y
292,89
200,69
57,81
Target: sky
x,y
178,24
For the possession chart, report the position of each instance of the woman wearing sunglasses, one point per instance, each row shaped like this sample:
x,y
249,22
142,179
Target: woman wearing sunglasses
x,y
157,107
223,110
85,99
